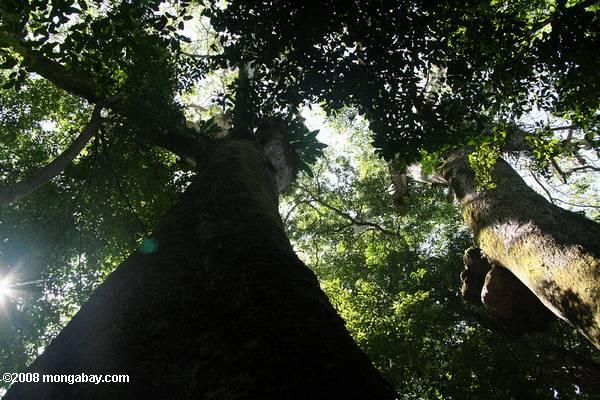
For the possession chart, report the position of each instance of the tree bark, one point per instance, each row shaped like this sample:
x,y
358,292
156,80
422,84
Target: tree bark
x,y
515,309
554,252
223,309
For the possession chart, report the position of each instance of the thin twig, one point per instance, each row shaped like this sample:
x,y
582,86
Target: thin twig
x,y
347,216
583,168
534,176
558,170
577,205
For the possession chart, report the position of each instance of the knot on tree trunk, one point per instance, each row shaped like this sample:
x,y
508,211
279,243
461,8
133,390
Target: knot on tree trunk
x,y
513,306
274,138
476,267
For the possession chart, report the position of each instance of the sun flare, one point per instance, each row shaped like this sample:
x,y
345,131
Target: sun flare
x,y
5,287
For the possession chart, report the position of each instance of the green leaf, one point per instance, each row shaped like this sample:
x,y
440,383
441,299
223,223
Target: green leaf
x,y
312,135
302,166
8,63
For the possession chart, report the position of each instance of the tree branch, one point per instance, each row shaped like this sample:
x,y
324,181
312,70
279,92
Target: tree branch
x,y
183,144
558,170
347,216
176,140
577,205
198,56
241,112
58,74
535,178
30,184
564,128
583,168
289,213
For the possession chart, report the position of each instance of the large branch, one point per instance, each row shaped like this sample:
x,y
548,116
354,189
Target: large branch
x,y
61,76
181,142
177,140
28,185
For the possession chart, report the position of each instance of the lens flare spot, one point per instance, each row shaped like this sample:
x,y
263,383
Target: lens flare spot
x,y
149,246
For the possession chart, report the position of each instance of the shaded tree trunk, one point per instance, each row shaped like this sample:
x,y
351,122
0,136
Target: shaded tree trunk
x,y
515,309
554,252
223,309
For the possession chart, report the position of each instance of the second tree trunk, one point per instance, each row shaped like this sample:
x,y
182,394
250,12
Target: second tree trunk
x,y
554,252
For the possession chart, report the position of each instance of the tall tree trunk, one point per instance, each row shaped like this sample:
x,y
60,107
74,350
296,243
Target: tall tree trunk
x,y
554,252
222,310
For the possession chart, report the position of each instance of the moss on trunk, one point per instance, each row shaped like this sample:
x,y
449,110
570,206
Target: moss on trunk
x,y
554,252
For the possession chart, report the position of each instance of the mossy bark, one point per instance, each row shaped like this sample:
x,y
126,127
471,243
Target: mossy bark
x,y
554,252
514,308
222,310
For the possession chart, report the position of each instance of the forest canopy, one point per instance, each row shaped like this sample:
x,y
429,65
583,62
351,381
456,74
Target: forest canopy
x,y
156,156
